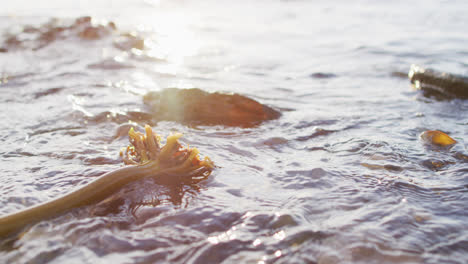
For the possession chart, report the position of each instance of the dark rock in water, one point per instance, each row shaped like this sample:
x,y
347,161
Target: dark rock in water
x,y
398,74
198,107
322,75
445,83
82,28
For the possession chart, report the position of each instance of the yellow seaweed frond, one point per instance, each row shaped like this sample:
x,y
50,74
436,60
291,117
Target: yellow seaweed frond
x,y
148,159
172,158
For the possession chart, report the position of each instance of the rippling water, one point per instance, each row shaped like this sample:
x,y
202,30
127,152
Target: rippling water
x,y
341,177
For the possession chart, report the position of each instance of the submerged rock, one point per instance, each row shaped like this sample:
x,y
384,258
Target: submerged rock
x,y
198,107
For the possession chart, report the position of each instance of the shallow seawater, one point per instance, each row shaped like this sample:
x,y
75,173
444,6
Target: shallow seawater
x,y
340,177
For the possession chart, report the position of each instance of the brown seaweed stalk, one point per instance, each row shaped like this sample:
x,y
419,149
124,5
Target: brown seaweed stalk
x,y
146,158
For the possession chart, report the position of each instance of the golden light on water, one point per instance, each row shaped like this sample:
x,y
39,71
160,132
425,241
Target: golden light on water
x,y
238,232
173,41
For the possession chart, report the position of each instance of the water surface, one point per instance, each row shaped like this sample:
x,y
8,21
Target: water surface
x,y
340,177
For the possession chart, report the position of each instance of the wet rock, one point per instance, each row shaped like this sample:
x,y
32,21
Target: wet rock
x,y
83,28
438,138
198,107
447,84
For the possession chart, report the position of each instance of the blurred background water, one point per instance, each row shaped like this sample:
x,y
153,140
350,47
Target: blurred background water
x,y
341,177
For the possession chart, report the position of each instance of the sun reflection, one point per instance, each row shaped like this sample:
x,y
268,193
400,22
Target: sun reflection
x,y
278,253
152,2
238,232
263,261
257,242
246,215
264,258
279,235
174,40
119,58
142,81
76,104
223,237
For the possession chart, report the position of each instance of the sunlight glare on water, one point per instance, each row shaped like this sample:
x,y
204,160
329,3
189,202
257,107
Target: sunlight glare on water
x,y
173,40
